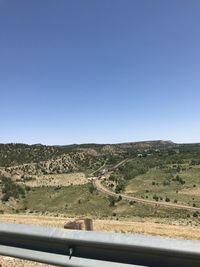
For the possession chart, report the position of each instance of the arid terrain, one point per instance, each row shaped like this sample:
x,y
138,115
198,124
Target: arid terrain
x,y
149,188
57,180
137,225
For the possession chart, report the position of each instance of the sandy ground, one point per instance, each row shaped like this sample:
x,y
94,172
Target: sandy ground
x,y
150,227
58,180
12,262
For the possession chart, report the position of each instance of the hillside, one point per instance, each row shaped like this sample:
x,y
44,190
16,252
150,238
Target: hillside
x,y
25,161
17,154
56,179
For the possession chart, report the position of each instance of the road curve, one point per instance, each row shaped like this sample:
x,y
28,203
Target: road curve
x,y
103,189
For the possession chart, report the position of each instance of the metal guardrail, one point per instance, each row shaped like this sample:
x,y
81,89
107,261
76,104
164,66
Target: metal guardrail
x,y
82,248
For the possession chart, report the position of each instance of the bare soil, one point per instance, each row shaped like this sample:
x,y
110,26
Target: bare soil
x,y
58,180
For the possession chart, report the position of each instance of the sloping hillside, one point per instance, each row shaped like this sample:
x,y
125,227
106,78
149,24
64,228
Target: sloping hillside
x,y
17,154
24,161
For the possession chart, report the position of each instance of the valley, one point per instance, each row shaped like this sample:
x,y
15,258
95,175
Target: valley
x,y
151,181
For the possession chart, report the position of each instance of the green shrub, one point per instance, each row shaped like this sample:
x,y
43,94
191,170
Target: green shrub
x,y
112,201
91,188
167,199
11,189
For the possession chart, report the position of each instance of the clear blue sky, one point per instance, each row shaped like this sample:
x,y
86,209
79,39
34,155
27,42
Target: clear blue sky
x,y
77,71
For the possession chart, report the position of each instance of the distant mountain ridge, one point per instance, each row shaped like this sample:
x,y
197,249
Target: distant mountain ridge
x,y
152,142
16,154
22,160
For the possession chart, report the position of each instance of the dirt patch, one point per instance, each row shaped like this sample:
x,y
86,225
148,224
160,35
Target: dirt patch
x,y
190,191
13,262
58,180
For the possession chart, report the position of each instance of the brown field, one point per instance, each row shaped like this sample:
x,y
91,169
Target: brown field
x,y
156,227
58,180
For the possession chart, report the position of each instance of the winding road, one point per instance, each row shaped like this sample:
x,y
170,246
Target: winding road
x,y
103,189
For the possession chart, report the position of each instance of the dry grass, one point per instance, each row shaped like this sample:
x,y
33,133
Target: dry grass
x,y
190,191
58,180
157,226
149,228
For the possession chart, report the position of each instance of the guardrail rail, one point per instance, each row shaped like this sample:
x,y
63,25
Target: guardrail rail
x,y
82,248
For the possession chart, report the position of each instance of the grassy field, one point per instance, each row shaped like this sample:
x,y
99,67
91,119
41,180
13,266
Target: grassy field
x,y
77,201
171,175
72,200
165,185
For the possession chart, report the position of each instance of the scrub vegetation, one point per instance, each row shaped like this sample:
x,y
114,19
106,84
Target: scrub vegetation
x,y
34,179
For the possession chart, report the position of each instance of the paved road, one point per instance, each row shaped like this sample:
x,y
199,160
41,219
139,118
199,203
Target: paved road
x,y
103,189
